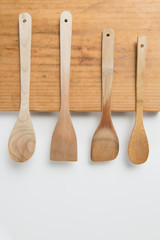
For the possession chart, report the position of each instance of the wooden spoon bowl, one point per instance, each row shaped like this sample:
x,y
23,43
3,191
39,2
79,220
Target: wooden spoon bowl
x,y
138,150
22,141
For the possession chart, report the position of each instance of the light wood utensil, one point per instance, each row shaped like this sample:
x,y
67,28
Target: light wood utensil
x,y
105,144
22,141
138,149
64,142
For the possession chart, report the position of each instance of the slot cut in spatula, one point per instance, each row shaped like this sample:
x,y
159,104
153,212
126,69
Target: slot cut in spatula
x,y
105,144
138,148
64,142
22,140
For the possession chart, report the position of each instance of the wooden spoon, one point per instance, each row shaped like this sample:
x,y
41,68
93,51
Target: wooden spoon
x,y
105,144
22,141
138,149
64,142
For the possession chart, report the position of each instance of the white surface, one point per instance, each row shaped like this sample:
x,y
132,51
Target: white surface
x,y
44,200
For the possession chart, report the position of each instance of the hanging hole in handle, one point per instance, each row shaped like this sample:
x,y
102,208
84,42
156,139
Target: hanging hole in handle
x,y
24,20
66,20
142,45
108,34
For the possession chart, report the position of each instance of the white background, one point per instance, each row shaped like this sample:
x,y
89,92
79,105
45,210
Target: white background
x,y
44,200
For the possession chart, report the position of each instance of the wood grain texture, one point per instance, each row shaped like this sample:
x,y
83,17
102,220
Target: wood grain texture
x,y
64,142
138,149
105,144
128,18
22,141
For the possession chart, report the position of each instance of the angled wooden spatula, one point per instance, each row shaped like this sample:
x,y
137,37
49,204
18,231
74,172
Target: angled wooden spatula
x,y
138,149
64,142
105,144
22,141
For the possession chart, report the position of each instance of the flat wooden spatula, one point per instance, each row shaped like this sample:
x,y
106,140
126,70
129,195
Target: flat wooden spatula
x,y
22,141
105,144
64,142
138,149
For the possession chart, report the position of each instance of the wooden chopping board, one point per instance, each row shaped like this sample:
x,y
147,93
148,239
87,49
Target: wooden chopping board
x,y
128,18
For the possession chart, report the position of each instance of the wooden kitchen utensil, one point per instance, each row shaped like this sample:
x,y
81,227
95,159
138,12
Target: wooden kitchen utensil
x,y
64,142
105,144
138,149
22,141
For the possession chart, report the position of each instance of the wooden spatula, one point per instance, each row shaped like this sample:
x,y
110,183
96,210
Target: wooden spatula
x,y
64,142
105,144
138,148
22,141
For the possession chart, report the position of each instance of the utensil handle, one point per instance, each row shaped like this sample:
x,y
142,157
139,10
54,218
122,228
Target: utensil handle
x,y
107,68
65,56
25,28
141,55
